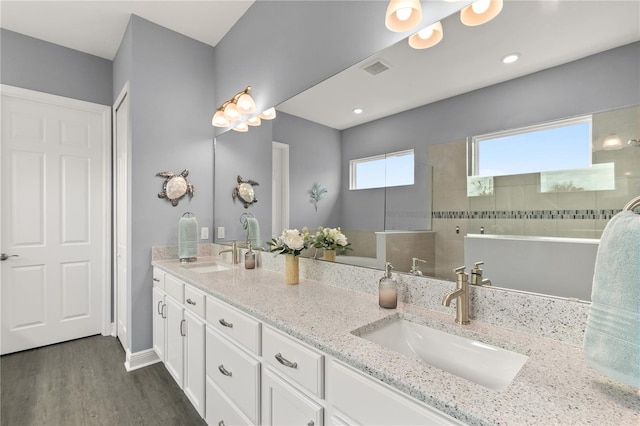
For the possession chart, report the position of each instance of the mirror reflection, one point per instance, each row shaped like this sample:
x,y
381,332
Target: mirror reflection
x,y
430,219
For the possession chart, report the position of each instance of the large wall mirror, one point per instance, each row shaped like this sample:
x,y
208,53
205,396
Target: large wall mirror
x,y
435,102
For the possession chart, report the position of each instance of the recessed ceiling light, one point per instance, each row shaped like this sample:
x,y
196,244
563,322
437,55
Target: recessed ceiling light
x,y
510,58
357,110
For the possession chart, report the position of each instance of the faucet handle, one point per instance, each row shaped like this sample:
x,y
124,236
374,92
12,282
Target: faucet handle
x,y
460,269
477,264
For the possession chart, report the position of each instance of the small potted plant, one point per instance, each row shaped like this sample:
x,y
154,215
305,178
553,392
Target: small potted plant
x,y
330,239
291,243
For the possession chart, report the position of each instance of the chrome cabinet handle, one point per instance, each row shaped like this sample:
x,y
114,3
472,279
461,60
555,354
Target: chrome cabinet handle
x,y
191,302
221,423
224,323
224,370
5,256
156,280
159,308
311,423
181,328
282,360
163,313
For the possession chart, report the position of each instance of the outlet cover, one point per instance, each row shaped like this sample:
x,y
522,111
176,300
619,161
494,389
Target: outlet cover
x,y
204,233
220,231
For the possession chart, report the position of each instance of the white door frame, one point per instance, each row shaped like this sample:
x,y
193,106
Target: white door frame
x,y
104,110
123,94
282,210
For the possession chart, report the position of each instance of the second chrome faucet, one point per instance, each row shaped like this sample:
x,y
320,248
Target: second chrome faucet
x,y
462,294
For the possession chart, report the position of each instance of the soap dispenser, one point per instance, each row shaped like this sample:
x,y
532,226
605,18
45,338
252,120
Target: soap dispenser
x,y
249,258
388,289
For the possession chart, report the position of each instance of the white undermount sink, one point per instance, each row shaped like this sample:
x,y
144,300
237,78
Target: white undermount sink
x,y
203,268
487,365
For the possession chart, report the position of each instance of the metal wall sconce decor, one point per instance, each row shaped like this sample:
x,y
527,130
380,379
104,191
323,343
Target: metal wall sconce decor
x,y
175,186
244,192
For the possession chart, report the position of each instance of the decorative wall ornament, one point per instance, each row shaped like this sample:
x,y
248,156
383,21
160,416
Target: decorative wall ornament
x,y
316,193
175,186
244,192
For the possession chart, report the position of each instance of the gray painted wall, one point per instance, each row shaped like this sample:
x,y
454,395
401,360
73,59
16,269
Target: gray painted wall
x,y
34,64
172,98
601,82
282,48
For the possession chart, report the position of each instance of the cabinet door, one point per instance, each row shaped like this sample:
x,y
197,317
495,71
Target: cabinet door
x,y
194,374
174,355
282,404
159,330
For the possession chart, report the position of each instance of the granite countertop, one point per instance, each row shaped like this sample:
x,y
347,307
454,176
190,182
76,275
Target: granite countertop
x,y
555,386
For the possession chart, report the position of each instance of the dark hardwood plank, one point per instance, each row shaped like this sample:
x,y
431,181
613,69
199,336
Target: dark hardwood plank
x,y
84,382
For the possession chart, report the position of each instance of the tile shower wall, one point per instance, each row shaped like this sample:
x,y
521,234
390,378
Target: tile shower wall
x,y
517,207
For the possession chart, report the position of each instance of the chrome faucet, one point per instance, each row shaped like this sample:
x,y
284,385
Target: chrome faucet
x,y
234,252
414,267
476,275
462,294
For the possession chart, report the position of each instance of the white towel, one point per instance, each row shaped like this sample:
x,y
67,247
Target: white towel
x,y
188,238
253,232
612,335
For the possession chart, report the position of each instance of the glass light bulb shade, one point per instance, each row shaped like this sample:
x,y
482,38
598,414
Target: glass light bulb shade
x,y
480,6
403,15
268,114
219,120
231,112
612,142
246,104
242,127
471,18
510,58
254,121
433,35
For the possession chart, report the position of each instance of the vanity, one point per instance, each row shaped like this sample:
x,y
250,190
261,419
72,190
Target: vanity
x,y
248,349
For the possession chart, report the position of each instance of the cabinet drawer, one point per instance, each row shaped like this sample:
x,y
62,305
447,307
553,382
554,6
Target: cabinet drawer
x,y
158,278
370,402
294,360
220,411
234,324
235,372
194,300
174,287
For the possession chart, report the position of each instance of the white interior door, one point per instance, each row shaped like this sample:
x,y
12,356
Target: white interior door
x,y
55,216
279,188
121,126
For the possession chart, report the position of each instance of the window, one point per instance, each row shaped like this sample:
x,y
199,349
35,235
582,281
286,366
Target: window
x,y
560,145
381,171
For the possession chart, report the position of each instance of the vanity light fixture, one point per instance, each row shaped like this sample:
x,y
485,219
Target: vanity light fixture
x,y
612,142
254,121
480,12
403,15
233,109
242,127
269,114
427,37
511,58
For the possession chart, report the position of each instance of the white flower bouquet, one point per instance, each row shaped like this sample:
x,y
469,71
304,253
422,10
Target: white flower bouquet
x,y
330,239
291,241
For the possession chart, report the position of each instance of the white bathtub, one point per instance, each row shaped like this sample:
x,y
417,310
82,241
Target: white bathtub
x,y
560,267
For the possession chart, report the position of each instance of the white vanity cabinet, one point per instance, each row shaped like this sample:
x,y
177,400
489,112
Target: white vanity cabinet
x,y
284,404
194,348
159,316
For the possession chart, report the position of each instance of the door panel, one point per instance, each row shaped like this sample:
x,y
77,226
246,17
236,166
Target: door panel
x,y
55,212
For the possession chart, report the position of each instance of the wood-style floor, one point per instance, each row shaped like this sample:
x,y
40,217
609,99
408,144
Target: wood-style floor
x,y
84,382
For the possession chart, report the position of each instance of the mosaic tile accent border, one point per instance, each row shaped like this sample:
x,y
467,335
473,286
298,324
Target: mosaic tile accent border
x,y
528,214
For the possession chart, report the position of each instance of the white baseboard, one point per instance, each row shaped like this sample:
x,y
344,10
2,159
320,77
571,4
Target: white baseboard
x,y
140,359
113,330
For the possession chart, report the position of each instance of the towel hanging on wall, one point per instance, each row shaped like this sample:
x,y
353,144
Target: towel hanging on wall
x,y
612,335
188,238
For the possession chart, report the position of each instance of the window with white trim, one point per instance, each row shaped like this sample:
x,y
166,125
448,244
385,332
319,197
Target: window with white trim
x,y
382,171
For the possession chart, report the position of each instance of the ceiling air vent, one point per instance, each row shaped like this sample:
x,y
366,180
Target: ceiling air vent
x,y
376,68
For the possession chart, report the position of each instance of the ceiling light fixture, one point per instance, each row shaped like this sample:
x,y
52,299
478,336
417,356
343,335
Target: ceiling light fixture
x,y
403,15
427,37
480,12
510,58
612,142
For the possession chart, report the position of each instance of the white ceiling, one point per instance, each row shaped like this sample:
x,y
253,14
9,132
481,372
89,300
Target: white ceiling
x,y
97,27
546,34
